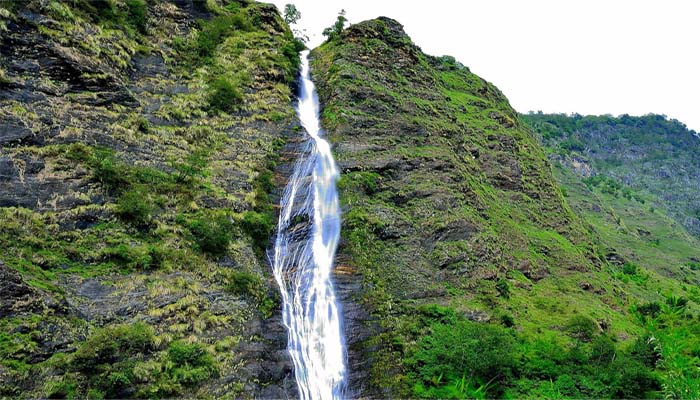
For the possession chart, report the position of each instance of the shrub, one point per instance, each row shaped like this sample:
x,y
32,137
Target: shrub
x,y
646,351
436,313
634,381
224,96
507,320
109,345
213,32
581,327
136,16
135,205
463,351
191,363
108,171
259,226
503,288
212,233
244,283
651,309
139,257
602,350
630,269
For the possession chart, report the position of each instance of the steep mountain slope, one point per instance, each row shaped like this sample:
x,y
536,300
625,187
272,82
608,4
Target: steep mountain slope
x,y
651,155
452,217
137,148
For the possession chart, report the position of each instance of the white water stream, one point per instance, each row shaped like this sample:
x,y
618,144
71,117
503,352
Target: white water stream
x,y
307,237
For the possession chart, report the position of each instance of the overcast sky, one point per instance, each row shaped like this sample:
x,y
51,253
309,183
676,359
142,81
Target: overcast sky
x,y
585,56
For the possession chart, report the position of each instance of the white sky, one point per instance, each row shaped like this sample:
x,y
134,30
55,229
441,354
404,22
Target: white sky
x,y
585,56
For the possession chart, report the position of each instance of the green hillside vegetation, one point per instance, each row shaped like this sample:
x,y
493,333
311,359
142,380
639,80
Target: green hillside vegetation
x,y
135,197
479,279
650,155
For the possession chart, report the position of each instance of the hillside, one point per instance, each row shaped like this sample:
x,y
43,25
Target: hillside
x,y
650,155
144,146
463,269
137,147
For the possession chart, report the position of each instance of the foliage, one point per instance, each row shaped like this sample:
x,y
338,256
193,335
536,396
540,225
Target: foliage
x,y
191,363
107,346
224,95
333,32
259,226
462,355
291,14
212,232
214,31
581,327
137,10
136,205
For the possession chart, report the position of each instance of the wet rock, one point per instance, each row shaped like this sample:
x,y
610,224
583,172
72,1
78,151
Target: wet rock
x,y
13,131
15,295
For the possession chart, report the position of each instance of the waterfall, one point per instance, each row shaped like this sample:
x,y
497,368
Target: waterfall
x,y
307,237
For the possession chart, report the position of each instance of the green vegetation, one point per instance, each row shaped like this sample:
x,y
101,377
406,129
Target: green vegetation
x,y
457,358
651,154
212,232
138,203
224,96
212,33
334,31
124,361
547,290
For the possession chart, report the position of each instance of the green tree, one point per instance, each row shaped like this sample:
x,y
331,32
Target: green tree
x,y
332,32
291,14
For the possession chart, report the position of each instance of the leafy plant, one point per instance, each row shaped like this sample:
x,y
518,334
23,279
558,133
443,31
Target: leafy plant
x,y
224,96
334,31
212,232
581,327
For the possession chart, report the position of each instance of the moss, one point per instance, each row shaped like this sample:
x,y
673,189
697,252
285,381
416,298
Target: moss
x,y
109,344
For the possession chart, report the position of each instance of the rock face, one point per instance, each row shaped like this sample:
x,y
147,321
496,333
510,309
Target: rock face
x,y
445,193
137,150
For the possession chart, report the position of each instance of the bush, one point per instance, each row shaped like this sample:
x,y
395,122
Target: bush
x,y
646,351
213,32
581,327
136,16
432,313
507,320
630,269
136,257
111,344
212,233
503,288
108,171
634,380
136,206
651,309
476,353
259,226
602,350
224,96
244,283
191,363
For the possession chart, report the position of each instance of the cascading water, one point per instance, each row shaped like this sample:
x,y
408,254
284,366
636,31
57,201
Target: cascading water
x,y
307,237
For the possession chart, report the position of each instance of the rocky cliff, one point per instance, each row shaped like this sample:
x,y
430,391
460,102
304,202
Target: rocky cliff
x,y
138,144
452,215
142,148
